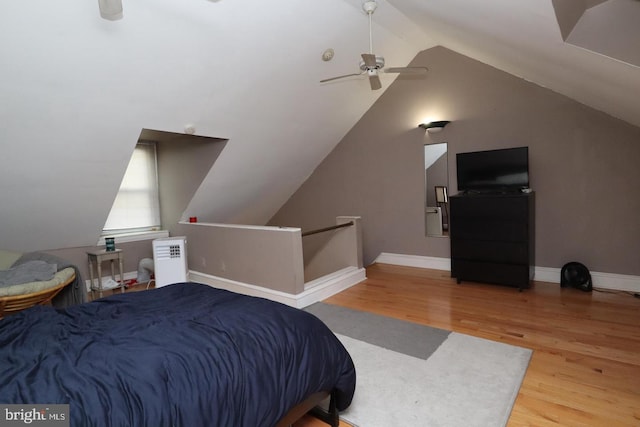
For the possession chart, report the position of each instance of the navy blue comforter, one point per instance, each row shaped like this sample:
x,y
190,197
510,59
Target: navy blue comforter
x,y
182,355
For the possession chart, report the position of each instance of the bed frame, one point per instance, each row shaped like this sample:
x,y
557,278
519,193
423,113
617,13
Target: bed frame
x,y
311,405
13,303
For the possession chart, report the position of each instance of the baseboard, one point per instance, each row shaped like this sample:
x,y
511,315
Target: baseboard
x,y
414,261
330,284
315,291
612,281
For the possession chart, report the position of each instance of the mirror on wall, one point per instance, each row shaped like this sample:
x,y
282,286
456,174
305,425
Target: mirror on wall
x,y
436,173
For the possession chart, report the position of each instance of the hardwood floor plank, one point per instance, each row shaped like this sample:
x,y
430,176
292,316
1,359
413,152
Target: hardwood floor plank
x,y
585,368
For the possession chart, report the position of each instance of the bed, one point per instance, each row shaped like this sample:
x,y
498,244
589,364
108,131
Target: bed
x,y
185,354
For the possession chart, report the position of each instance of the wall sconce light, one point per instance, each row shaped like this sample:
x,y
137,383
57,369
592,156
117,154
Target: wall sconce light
x,y
433,127
110,9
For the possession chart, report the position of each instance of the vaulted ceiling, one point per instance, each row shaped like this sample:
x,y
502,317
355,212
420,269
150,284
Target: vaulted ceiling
x,y
77,90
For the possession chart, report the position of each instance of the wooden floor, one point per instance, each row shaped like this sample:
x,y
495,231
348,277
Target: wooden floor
x,y
585,368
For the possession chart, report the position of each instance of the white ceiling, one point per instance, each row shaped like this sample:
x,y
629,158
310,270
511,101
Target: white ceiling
x,y
524,39
76,91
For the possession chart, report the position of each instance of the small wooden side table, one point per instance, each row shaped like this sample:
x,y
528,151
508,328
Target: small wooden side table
x,y
97,258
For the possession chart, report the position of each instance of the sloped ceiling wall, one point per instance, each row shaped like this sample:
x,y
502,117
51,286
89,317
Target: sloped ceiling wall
x,y
77,90
523,38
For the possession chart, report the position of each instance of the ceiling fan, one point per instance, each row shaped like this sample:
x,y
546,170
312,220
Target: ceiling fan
x,y
371,64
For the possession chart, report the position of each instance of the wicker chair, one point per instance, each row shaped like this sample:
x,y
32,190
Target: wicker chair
x,y
14,303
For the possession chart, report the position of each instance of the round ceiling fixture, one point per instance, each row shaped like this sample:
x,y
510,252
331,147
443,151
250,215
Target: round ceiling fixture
x,y
327,55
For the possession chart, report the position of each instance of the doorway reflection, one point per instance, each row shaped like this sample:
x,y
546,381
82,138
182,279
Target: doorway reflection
x,y
436,172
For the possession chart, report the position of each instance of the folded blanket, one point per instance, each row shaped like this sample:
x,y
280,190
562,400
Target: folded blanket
x,y
30,271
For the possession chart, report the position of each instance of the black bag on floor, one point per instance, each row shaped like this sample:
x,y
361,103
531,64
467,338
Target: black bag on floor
x,y
576,275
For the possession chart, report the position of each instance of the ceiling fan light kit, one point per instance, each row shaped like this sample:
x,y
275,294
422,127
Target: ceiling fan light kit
x,y
372,64
377,62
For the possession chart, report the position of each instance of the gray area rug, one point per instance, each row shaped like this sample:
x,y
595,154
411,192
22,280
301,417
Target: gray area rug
x,y
415,375
404,337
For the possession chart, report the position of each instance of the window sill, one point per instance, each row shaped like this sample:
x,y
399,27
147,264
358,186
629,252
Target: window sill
x,y
135,237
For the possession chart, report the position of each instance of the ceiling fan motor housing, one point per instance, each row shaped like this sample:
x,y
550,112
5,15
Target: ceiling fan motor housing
x,y
379,64
369,6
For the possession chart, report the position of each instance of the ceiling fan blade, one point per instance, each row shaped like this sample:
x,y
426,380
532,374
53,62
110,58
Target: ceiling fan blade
x,y
406,70
374,81
340,77
369,60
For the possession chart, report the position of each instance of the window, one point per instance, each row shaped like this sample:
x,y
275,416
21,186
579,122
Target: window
x,y
137,206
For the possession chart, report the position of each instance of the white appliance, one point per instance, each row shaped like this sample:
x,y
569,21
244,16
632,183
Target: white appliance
x,y
170,260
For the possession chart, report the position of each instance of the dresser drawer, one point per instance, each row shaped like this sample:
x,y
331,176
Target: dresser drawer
x,y
493,251
490,207
502,274
510,231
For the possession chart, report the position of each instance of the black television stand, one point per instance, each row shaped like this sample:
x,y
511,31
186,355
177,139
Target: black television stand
x,y
493,238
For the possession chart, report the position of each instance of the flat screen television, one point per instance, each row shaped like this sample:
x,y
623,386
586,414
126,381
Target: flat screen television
x,y
493,171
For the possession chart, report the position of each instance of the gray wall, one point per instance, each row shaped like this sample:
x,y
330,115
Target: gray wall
x,y
584,165
183,163
267,257
330,251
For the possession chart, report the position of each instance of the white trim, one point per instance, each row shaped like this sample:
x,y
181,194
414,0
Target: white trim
x,y
135,237
613,281
546,274
241,226
323,287
414,261
330,284
619,282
